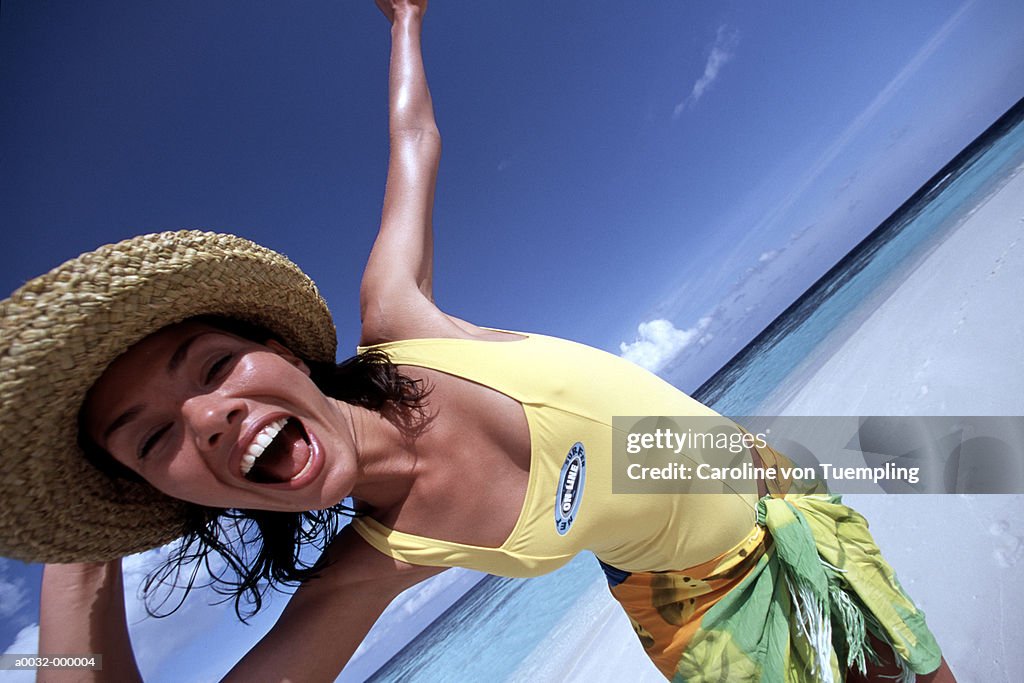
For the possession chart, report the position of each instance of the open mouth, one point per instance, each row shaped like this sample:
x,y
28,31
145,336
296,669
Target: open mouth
x,y
279,453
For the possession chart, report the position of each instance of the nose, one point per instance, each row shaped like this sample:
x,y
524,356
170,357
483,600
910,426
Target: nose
x,y
213,418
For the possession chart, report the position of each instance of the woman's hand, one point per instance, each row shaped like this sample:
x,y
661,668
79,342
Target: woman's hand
x,y
391,8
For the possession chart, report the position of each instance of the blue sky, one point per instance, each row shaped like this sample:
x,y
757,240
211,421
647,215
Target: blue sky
x,y
659,179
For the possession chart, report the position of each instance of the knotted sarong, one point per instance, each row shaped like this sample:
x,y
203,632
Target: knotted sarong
x,y
794,602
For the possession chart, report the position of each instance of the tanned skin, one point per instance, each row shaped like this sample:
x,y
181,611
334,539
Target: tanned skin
x,y
402,482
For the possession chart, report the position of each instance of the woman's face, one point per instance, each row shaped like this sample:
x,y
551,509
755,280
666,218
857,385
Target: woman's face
x,y
219,420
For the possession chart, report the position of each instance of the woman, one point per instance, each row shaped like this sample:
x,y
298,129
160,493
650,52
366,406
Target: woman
x,y
461,445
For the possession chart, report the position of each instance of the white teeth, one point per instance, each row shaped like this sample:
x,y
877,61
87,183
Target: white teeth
x,y
260,442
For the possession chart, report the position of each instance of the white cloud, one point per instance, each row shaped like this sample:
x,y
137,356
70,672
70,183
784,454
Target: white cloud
x,y
13,597
160,644
659,341
721,54
768,256
25,643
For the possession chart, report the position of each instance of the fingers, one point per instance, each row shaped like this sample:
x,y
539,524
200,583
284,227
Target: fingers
x,y
385,7
389,7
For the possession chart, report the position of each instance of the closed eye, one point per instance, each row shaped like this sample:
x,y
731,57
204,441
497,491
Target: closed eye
x,y
218,367
150,443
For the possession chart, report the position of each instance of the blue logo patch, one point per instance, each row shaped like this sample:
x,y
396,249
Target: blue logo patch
x,y
570,488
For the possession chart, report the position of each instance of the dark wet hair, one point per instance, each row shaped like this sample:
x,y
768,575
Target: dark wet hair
x,y
260,549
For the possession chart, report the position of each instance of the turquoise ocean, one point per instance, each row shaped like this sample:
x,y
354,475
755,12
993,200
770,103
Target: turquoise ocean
x,y
489,632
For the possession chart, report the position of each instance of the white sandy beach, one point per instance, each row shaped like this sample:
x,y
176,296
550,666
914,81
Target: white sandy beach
x,y
948,341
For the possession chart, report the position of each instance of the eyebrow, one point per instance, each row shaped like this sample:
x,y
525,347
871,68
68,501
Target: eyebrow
x,y
177,358
125,417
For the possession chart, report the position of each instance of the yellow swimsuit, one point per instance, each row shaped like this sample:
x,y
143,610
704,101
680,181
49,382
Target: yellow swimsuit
x,y
717,587
569,393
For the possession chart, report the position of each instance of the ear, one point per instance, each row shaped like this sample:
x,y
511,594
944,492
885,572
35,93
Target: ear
x,y
283,351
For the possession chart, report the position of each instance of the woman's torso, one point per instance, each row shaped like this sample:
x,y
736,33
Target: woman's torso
x,y
518,477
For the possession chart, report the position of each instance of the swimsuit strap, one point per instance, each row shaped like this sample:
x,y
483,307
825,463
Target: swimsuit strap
x,y
492,364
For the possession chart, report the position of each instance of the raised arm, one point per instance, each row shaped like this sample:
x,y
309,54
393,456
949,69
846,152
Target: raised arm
x,y
397,284
396,297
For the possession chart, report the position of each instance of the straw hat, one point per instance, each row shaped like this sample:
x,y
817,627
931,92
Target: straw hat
x,y
61,330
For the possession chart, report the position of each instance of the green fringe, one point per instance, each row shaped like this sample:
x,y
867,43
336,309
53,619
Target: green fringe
x,y
809,614
820,604
906,674
850,619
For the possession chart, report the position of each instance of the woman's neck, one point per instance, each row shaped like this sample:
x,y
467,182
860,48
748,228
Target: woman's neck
x,y
387,459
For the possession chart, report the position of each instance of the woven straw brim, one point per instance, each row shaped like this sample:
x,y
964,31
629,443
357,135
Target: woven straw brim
x,y
61,330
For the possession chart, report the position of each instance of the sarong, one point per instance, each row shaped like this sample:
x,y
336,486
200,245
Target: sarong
x,y
793,602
